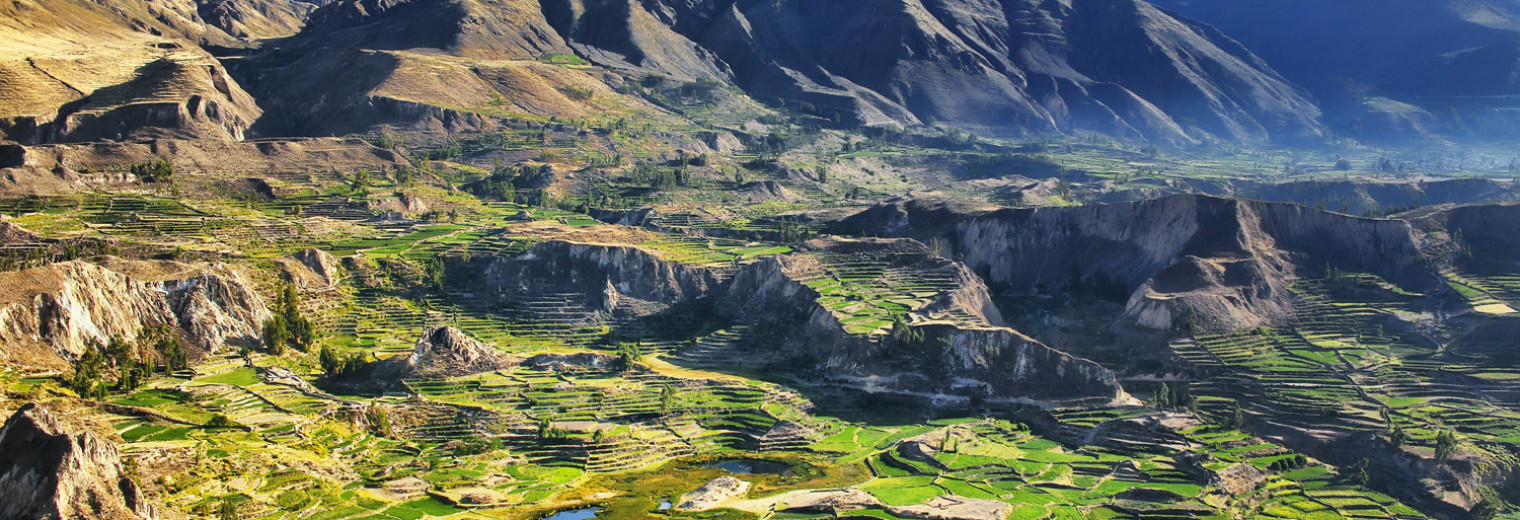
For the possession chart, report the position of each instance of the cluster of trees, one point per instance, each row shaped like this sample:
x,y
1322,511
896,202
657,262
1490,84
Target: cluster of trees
x,y
1289,463
629,355
360,182
659,178
547,431
134,364
1356,473
379,421
792,232
154,172
403,175
1036,166
667,399
337,365
1174,397
905,333
504,181
1396,436
288,328
450,150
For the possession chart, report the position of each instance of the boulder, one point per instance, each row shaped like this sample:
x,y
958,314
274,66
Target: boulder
x,y
50,473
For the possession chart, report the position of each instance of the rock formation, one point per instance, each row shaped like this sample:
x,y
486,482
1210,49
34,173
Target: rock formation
x,y
713,493
313,269
1216,262
51,314
49,473
442,352
958,347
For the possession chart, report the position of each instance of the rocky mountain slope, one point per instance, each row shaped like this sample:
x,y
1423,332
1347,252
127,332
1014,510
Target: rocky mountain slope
x,y
50,473
1385,68
1121,67
51,314
1006,67
82,71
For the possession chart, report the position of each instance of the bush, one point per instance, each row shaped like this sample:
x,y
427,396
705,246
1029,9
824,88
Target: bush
x,y
221,421
154,172
579,94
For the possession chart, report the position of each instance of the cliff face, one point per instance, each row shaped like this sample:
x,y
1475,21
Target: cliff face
x,y
960,349
1223,263
51,314
605,271
48,473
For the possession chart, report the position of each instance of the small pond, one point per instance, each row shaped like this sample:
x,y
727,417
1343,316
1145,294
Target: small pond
x,y
584,513
753,467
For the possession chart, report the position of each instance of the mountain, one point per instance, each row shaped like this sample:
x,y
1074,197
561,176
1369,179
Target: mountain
x,y
1120,67
1385,68
73,71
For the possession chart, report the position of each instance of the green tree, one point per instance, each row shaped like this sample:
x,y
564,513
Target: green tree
x,y
275,336
379,421
1357,473
221,421
667,399
86,376
169,348
1237,418
1397,437
1446,445
228,510
629,355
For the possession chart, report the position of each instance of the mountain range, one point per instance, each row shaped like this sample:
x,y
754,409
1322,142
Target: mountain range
x,y
1176,72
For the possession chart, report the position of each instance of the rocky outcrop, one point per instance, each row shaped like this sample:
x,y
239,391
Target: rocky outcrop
x,y
955,508
51,314
605,272
1361,196
313,269
582,362
1116,66
713,493
442,352
257,19
50,473
13,234
957,350
1213,262
963,350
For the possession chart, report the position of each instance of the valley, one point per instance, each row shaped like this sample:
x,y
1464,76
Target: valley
x,y
756,259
